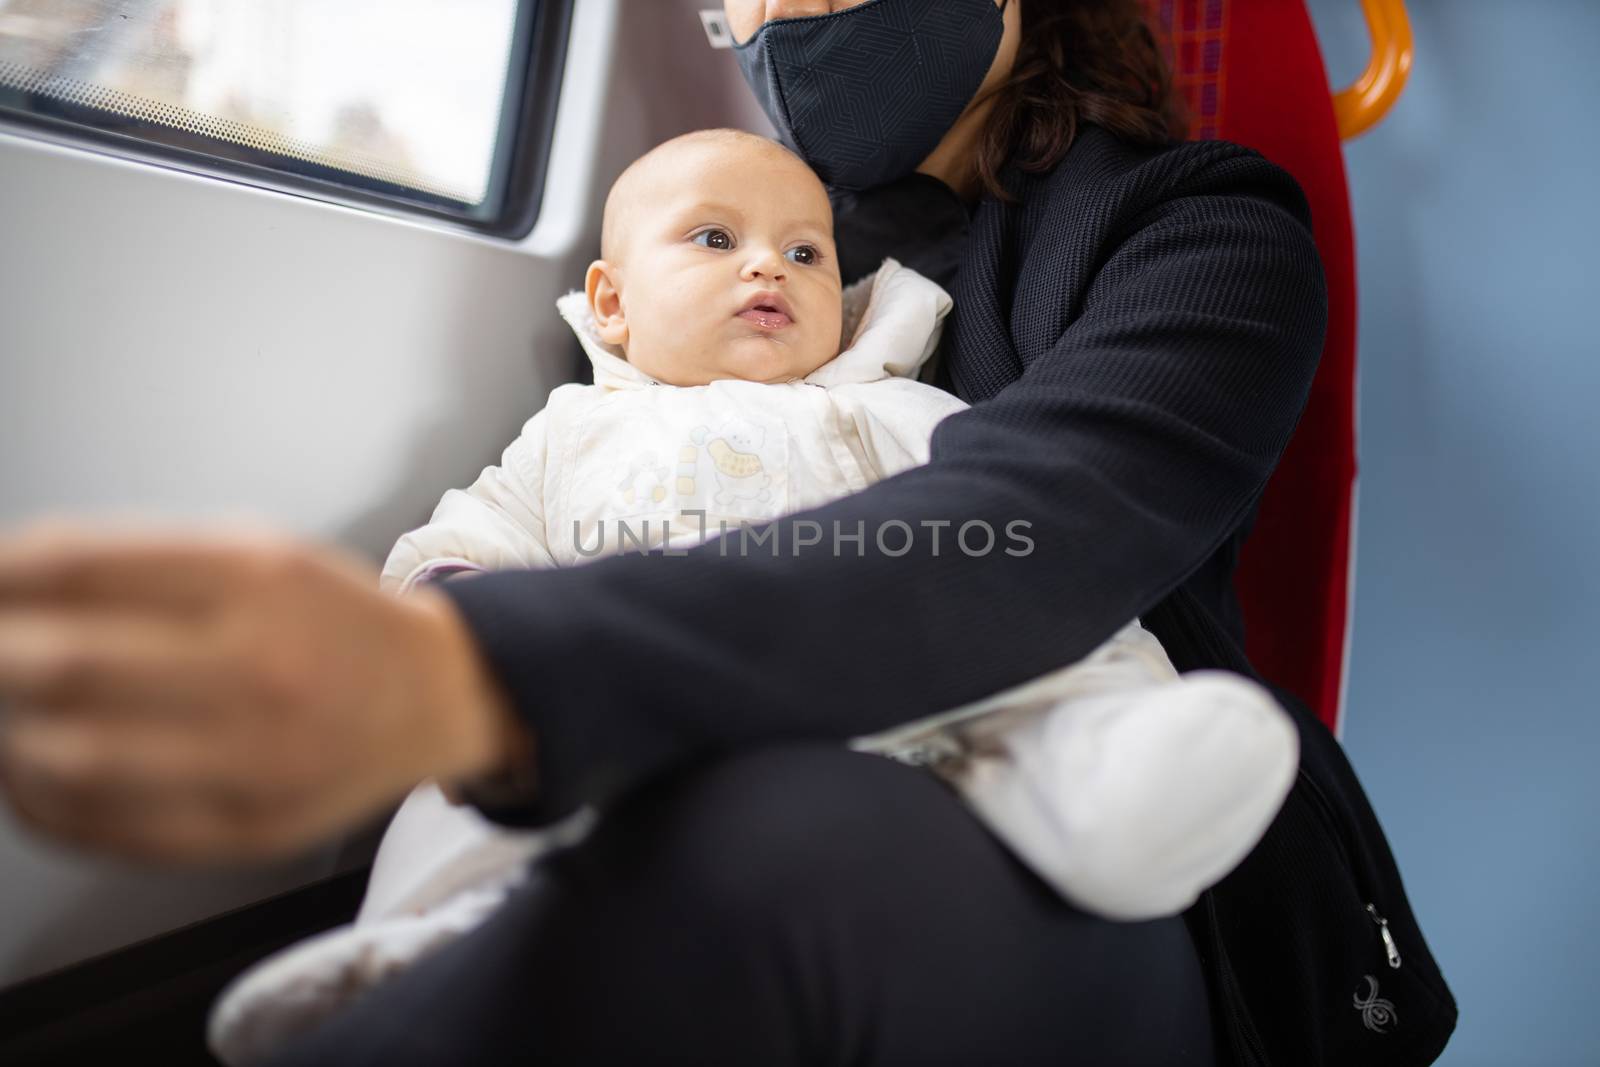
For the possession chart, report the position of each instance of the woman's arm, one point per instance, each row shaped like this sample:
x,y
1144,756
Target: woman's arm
x,y
1130,450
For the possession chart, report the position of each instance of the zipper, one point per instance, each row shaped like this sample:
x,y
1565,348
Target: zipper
x,y
1325,810
1388,939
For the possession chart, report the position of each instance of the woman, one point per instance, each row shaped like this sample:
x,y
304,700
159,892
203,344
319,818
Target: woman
x,y
1137,326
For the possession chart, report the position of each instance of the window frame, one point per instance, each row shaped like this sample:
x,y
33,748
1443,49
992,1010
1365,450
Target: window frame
x,y
527,121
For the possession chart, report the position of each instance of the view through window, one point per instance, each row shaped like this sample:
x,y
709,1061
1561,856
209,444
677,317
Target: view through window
x,y
407,95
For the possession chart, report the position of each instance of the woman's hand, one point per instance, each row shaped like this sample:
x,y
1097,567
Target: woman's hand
x,y
233,696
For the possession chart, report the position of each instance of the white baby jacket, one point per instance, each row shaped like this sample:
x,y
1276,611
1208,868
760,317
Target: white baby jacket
x,y
630,461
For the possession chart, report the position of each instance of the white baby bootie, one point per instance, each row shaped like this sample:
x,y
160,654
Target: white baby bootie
x,y
1132,803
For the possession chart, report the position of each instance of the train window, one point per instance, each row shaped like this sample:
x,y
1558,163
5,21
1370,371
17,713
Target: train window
x,y
438,106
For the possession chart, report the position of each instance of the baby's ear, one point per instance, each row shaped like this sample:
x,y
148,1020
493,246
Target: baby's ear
x,y
605,303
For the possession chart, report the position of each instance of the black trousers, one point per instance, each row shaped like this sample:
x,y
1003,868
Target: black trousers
x,y
791,905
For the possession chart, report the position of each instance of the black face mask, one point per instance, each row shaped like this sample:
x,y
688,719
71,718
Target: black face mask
x,y
865,94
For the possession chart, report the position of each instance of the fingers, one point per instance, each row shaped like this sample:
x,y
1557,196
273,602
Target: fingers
x,y
178,696
147,829
92,754
136,793
137,564
54,658
61,782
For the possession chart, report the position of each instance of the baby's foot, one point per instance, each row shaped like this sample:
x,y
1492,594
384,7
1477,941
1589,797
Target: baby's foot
x,y
1133,803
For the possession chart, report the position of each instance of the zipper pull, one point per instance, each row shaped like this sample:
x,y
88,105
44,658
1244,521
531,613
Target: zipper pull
x,y
1388,939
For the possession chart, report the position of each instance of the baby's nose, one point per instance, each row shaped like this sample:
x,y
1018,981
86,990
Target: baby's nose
x,y
766,263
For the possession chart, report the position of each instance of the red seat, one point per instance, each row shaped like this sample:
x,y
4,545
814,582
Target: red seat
x,y
1252,73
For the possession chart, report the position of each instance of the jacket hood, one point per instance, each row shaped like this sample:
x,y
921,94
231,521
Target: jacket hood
x,y
892,321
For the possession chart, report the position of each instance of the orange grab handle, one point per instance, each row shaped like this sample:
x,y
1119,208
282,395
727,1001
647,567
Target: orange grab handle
x,y
1363,105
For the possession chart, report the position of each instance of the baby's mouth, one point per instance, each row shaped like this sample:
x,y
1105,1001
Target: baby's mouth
x,y
770,311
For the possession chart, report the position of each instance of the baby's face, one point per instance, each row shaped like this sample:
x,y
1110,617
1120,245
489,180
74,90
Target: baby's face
x,y
724,267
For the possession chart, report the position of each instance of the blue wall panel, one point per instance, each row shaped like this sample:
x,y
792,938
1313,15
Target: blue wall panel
x,y
1472,712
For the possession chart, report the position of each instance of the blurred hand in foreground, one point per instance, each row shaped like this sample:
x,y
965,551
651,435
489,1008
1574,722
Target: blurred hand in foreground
x,y
228,696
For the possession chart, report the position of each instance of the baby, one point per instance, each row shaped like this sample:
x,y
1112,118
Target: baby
x,y
715,319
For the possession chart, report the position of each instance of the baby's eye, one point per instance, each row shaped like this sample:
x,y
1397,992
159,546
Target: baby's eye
x,y
805,255
721,240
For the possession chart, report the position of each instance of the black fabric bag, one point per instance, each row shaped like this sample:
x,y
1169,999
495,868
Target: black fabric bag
x,y
1304,972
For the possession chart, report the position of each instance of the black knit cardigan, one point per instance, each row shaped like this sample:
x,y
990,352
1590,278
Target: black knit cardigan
x,y
1137,334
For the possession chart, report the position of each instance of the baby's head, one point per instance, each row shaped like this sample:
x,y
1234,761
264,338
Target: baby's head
x,y
717,261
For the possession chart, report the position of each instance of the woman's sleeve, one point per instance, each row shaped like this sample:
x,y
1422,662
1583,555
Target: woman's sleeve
x,y
496,523
1114,466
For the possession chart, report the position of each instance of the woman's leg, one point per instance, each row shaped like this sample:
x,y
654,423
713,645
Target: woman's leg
x,y
793,905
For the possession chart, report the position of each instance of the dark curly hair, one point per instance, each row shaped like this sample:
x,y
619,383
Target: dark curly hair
x,y
1079,61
